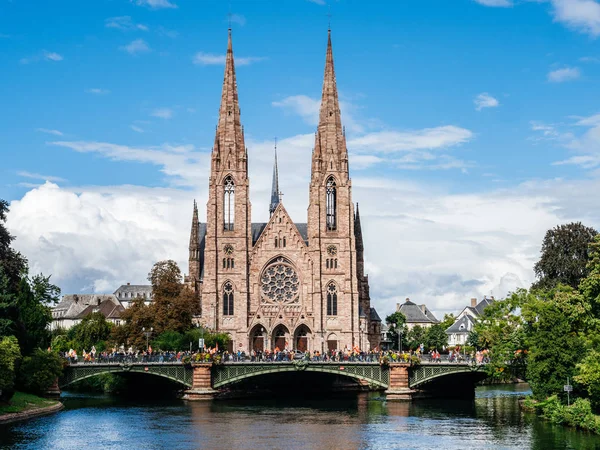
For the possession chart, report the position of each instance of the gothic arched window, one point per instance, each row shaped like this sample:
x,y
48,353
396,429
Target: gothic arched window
x,y
331,204
228,299
228,204
332,298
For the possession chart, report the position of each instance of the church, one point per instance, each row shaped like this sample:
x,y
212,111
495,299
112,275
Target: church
x,y
280,284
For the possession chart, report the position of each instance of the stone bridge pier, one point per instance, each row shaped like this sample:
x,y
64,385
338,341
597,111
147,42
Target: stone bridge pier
x,y
399,388
201,383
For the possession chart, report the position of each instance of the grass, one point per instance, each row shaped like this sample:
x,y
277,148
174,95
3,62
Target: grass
x,y
22,402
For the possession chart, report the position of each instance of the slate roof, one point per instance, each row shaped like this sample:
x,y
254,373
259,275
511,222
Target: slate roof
x,y
71,305
374,316
108,308
462,325
414,313
482,305
134,289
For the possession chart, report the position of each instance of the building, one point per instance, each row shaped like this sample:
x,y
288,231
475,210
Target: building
x,y
282,284
127,293
458,332
74,307
416,314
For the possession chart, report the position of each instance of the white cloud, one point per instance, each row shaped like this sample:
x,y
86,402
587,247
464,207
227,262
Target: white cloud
x,y
485,100
124,23
97,91
163,113
43,56
136,47
210,59
580,15
237,18
564,74
37,176
589,59
496,3
400,141
137,129
48,131
318,2
302,105
155,4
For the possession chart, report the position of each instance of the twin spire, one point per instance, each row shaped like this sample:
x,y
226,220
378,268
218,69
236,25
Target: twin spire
x,y
229,149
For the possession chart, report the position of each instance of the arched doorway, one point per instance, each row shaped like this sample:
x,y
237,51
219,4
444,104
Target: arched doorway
x,y
280,337
301,336
257,338
332,342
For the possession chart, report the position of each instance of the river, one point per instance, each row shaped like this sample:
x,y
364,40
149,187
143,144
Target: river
x,y
362,421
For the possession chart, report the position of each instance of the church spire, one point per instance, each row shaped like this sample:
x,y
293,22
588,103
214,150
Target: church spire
x,y
330,142
275,186
229,148
194,232
358,231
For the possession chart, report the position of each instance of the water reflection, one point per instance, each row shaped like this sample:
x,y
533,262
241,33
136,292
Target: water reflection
x,y
361,421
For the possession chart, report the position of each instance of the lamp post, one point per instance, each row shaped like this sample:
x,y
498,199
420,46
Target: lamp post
x,y
147,334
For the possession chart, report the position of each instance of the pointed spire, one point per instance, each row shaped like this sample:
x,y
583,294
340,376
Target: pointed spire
x,y
275,186
229,136
329,139
330,122
195,227
358,231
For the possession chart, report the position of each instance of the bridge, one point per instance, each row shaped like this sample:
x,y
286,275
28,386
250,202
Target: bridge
x,y
203,380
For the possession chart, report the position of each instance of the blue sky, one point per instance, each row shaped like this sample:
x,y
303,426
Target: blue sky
x,y
472,126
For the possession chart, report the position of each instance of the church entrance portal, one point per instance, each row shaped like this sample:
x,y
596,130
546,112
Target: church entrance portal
x,y
301,338
257,339
280,337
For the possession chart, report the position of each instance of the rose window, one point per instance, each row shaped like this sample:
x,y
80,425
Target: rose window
x,y
279,283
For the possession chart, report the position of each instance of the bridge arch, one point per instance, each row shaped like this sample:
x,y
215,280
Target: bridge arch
x,y
423,375
229,374
178,373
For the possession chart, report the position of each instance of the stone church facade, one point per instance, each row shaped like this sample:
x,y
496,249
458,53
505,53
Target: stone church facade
x,y
282,284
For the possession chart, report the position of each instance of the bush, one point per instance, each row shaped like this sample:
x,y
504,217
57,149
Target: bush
x,y
578,415
39,371
9,355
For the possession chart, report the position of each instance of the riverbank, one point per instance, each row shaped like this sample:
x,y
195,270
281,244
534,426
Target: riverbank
x,y
26,406
578,415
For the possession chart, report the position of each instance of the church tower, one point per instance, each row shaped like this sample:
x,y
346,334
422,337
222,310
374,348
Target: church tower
x,y
228,237
331,217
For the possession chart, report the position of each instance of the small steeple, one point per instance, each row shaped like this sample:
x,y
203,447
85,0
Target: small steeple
x,y
194,232
275,186
358,231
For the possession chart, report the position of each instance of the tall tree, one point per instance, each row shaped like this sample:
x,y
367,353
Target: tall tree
x,y
436,337
173,304
12,262
564,256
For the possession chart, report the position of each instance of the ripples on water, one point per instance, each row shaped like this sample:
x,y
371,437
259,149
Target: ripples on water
x,y
492,421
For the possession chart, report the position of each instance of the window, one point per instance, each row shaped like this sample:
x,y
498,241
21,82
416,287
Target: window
x,y
229,204
331,263
228,299
228,263
332,297
276,242
331,204
284,241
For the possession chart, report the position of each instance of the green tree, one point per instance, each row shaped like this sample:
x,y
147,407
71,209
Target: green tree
x,y
137,317
9,355
436,337
33,318
8,306
397,323
168,340
415,337
12,262
564,256
588,375
173,305
93,330
39,371
447,321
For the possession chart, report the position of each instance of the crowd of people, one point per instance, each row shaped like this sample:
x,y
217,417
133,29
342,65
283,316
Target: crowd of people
x,y
131,355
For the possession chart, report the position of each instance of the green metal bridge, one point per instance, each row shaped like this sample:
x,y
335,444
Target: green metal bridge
x,y
228,374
